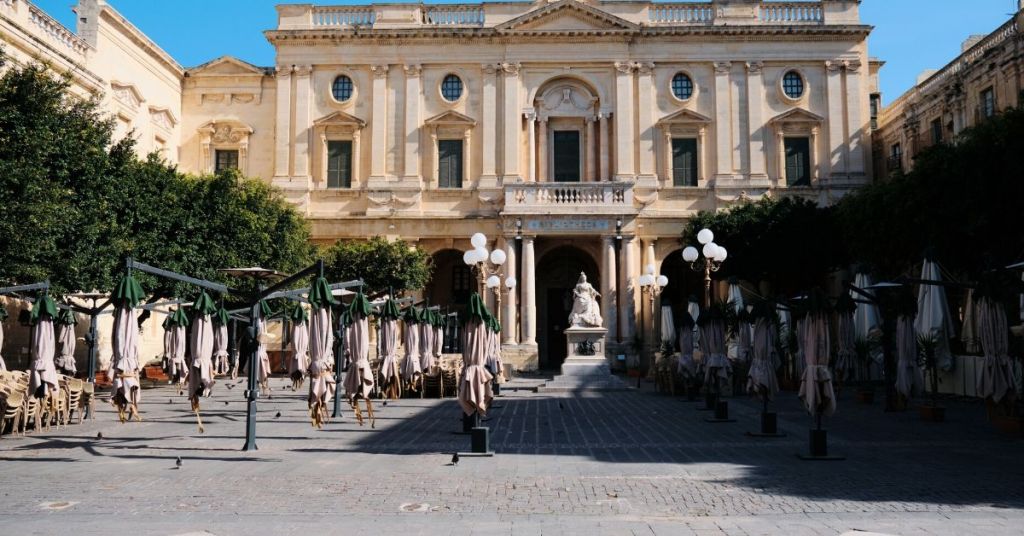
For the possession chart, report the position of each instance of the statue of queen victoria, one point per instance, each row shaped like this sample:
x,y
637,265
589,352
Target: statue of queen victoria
x,y
585,310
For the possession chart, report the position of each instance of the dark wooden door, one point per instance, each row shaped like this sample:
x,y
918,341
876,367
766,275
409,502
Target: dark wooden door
x,y
559,307
567,155
798,161
684,161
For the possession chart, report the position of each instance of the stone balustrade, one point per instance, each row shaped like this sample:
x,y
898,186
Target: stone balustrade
x,y
791,13
455,15
558,197
53,31
684,13
343,16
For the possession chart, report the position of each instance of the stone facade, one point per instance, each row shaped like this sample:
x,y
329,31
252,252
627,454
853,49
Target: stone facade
x,y
988,76
580,135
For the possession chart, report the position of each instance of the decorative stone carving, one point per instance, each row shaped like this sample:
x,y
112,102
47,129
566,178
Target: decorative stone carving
x,y
161,117
755,67
833,66
568,99
625,67
489,68
852,65
723,67
511,69
413,71
645,67
585,310
379,71
127,94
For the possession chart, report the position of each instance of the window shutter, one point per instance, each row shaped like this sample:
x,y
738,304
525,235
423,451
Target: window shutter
x,y
339,164
798,161
684,162
449,165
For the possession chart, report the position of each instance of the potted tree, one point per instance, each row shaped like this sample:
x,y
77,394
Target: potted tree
x,y
926,350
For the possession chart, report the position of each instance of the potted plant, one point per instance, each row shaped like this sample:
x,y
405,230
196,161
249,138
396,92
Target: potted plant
x,y
866,391
926,350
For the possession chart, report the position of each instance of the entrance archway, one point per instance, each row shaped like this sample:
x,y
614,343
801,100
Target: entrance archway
x,y
557,273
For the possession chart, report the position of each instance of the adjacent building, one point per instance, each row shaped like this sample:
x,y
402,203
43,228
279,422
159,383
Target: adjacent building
x,y
578,135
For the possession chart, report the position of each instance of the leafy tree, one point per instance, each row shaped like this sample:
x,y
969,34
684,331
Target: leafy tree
x,y
77,203
381,264
790,242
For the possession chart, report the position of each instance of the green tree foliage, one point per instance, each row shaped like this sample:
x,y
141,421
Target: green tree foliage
x,y
76,203
961,201
790,242
381,264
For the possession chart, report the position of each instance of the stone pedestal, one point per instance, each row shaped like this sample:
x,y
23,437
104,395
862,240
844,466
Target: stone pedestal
x,y
586,367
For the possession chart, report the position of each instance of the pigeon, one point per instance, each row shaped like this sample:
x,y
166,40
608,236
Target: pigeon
x,y
385,403
278,415
177,462
455,459
231,386
170,401
225,402
99,435
560,406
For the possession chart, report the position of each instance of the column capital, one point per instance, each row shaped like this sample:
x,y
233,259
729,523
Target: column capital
x,y
833,66
283,70
380,71
489,68
645,67
412,70
302,70
625,67
530,115
755,67
852,65
511,69
723,67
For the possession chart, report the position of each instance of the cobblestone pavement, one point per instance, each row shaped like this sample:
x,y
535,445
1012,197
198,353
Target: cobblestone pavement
x,y
599,463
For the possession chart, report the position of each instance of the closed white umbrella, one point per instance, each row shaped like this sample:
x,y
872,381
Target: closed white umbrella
x,y
909,380
474,393
43,379
969,333
298,365
933,318
359,379
737,305
816,381
867,321
3,316
761,379
200,377
846,353
220,340
426,342
668,325
686,366
321,352
438,339
712,345
178,342
124,367
65,360
389,367
411,335
996,379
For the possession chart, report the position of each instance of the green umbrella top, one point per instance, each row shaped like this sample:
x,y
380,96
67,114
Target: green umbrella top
x,y
413,315
128,292
360,306
320,295
298,315
44,306
476,310
221,316
494,324
67,317
204,305
265,310
178,318
433,318
390,310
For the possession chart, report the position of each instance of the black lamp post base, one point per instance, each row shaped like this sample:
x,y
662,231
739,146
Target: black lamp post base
x,y
721,413
250,430
769,426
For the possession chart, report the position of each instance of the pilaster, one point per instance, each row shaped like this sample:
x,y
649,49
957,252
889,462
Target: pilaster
x,y
282,124
758,129
303,121
723,120
411,160
624,126
529,312
378,127
645,119
857,127
489,126
836,163
513,124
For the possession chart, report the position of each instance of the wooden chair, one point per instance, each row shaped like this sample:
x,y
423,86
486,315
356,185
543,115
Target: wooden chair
x,y
450,379
10,409
432,380
74,398
87,400
30,410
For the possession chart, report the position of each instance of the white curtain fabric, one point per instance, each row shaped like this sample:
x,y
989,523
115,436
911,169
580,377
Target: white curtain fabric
x,y
909,379
200,378
816,381
933,318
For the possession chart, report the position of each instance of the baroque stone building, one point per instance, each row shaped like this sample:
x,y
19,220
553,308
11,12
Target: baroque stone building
x,y
987,76
579,135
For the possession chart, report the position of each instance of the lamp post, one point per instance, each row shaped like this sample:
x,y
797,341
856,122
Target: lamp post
x,y
651,286
714,256
488,268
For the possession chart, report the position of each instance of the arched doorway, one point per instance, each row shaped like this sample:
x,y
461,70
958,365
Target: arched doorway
x,y
684,283
557,274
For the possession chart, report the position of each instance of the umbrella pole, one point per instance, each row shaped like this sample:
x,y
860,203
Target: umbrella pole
x,y
252,392
90,341
337,371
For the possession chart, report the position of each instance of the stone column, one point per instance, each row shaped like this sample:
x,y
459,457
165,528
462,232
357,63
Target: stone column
x,y
645,120
624,142
627,282
609,301
755,107
509,327
835,165
591,164
723,135
531,145
303,120
283,132
645,304
489,125
379,126
529,308
411,161
542,149
858,127
467,157
512,122
605,145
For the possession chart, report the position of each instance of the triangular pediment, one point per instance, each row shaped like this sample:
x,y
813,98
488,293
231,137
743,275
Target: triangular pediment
x,y
797,115
451,117
684,117
127,93
567,16
340,118
226,66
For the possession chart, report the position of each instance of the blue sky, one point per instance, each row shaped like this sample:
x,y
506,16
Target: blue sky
x,y
910,35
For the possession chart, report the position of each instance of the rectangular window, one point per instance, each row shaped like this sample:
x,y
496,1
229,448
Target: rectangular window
x,y
684,161
798,161
339,164
988,103
461,283
876,104
449,163
567,155
226,160
936,131
895,157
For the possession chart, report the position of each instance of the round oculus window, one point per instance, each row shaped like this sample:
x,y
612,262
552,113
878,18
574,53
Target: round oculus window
x,y
793,85
682,86
451,88
341,89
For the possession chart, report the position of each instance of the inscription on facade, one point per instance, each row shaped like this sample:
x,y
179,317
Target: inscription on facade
x,y
567,225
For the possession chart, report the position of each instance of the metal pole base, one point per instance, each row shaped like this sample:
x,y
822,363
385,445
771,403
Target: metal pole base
x,y
250,426
336,414
818,446
769,426
721,413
